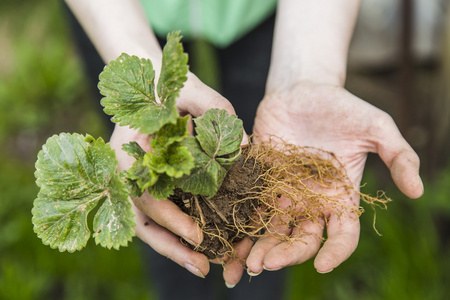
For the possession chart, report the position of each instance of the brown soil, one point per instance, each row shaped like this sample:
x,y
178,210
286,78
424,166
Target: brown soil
x,y
222,216
269,187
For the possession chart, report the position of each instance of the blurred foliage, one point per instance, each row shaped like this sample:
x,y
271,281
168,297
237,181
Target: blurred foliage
x,y
40,74
43,91
410,260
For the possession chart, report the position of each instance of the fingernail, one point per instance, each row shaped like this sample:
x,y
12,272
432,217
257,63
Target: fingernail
x,y
244,142
229,285
267,269
324,272
252,273
194,270
190,241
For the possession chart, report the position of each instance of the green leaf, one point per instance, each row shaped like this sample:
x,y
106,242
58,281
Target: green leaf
x,y
131,185
207,175
173,70
175,160
170,133
142,174
228,160
163,188
113,223
128,86
219,133
64,167
76,173
133,149
63,224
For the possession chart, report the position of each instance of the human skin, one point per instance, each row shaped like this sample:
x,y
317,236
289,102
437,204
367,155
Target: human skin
x,y
120,26
306,104
305,85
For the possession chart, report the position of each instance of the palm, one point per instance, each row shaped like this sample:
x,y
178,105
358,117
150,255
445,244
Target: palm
x,y
332,119
325,117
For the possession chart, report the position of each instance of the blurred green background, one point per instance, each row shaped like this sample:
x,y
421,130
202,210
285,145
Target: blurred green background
x,y
43,91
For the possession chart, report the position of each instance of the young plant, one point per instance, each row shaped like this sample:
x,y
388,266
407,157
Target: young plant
x,y
228,193
77,174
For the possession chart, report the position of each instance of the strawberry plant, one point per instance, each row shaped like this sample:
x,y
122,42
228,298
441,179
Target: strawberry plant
x,y
77,173
229,192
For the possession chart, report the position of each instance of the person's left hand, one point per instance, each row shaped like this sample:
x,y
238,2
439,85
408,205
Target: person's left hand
x,y
330,118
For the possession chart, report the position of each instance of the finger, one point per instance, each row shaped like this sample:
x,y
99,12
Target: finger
x,y
244,142
167,244
292,253
218,260
197,98
400,158
168,215
233,268
255,260
405,173
343,236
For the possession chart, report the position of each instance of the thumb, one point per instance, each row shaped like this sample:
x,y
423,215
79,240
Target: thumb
x,y
196,98
402,162
405,173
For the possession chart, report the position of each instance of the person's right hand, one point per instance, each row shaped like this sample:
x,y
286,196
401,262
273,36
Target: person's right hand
x,y
160,223
115,27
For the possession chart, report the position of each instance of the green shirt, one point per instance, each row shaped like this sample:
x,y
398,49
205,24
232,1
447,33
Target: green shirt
x,y
219,21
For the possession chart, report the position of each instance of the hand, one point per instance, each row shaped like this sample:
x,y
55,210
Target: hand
x,y
117,27
160,223
330,118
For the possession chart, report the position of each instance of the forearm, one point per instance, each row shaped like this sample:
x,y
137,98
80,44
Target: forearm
x,y
311,42
117,26
120,26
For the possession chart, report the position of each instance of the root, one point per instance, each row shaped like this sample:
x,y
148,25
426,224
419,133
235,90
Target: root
x,y
214,208
296,186
301,184
200,211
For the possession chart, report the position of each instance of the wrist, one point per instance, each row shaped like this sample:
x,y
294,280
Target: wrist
x,y
311,42
279,80
279,83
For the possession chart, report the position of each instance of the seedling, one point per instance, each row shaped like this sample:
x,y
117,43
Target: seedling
x,y
229,192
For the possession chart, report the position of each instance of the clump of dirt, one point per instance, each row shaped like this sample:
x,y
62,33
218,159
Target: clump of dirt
x,y
270,188
233,204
